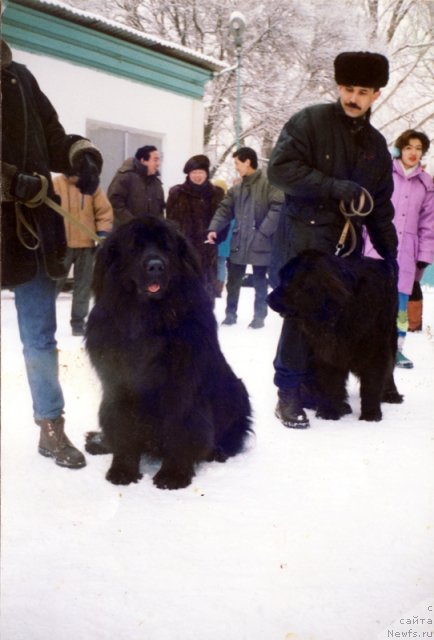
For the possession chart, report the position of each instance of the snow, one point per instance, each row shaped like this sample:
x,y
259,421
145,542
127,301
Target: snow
x,y
323,534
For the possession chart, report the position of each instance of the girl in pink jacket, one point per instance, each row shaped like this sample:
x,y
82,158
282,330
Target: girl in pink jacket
x,y
413,199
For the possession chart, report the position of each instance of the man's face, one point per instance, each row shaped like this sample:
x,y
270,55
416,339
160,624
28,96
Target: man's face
x,y
356,101
153,163
412,153
243,168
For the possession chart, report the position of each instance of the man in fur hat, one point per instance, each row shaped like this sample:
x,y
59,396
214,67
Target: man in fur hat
x,y
324,155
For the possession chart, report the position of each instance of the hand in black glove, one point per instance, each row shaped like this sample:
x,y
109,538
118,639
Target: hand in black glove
x,y
88,174
421,265
25,187
346,190
392,262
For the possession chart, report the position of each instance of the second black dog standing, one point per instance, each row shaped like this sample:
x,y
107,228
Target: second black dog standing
x,y
346,310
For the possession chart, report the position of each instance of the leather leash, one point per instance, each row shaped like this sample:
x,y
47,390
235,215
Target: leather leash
x,y
348,226
39,199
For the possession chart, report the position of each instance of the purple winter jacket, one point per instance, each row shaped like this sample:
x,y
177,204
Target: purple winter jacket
x,y
413,199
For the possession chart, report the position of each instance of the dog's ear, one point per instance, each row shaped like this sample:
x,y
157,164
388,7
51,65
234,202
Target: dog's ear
x,y
332,294
106,255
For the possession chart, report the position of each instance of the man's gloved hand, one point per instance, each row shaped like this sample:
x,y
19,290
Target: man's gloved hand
x,y
421,265
102,234
88,174
25,186
392,262
346,190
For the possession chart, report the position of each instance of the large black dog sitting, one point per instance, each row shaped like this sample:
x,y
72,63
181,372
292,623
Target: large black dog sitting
x,y
346,310
152,339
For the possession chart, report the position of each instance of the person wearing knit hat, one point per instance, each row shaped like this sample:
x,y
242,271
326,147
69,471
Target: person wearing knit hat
x,y
192,205
324,155
197,163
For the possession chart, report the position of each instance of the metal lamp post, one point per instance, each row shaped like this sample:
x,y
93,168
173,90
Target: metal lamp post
x,y
237,25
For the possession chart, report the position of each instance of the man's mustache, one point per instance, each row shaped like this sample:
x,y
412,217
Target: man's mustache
x,y
351,105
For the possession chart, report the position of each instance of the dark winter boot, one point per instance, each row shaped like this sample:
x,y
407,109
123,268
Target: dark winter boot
x,y
54,443
289,409
230,318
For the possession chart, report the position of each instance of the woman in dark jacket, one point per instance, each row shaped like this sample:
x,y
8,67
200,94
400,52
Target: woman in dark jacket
x,y
192,205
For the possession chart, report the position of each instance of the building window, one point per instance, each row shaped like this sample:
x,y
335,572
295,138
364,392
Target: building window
x,y
117,144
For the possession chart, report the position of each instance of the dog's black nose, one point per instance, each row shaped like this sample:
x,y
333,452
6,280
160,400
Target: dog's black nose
x,y
155,267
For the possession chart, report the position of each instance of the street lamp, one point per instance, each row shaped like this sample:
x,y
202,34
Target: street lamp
x,y
237,24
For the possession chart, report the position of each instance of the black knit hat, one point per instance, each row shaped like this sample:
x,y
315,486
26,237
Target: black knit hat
x,y
361,69
197,162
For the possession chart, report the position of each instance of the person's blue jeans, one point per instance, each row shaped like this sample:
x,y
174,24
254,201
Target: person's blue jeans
x,y
35,302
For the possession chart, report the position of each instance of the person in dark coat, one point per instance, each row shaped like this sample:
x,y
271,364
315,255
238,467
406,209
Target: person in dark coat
x,y
324,155
136,190
192,205
255,205
33,237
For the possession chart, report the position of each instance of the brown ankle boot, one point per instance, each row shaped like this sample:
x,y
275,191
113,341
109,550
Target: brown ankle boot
x,y
414,314
54,443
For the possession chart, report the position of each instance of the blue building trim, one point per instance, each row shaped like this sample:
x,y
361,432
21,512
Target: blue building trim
x,y
38,32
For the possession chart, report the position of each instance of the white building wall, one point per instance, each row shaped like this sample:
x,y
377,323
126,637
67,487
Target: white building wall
x,y
80,94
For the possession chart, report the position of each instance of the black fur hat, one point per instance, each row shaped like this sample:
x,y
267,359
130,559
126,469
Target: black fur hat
x,y
361,69
197,162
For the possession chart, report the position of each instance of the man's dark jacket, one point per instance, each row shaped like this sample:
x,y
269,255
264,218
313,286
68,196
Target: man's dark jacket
x,y
33,140
316,147
134,194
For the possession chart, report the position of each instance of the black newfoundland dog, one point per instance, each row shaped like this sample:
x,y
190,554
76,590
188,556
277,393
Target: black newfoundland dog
x,y
152,339
346,310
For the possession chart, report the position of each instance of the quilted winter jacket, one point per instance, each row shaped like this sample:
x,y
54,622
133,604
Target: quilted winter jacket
x,y
320,144
413,199
135,195
95,212
256,206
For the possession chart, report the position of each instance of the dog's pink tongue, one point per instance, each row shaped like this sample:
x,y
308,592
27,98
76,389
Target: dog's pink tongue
x,y
153,288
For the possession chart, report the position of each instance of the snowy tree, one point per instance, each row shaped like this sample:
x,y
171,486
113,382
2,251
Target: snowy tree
x,y
287,58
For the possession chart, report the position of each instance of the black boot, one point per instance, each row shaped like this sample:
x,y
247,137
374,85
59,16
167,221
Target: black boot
x,y
54,443
289,409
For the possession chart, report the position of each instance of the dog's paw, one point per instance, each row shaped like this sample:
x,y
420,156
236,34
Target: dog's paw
x,y
327,413
373,415
172,479
122,475
96,444
392,397
345,409
217,455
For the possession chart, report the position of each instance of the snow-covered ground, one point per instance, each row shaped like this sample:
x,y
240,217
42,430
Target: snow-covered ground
x,y
324,534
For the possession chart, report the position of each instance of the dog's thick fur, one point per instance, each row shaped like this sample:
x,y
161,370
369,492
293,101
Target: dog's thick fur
x,y
152,339
346,310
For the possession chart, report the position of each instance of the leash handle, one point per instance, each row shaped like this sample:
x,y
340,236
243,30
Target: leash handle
x,y
42,198
348,226
358,211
